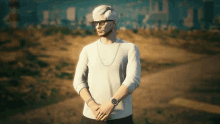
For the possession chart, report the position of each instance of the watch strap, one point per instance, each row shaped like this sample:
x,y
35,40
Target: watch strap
x,y
89,100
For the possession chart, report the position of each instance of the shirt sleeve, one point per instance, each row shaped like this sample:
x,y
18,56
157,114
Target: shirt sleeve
x,y
133,70
81,73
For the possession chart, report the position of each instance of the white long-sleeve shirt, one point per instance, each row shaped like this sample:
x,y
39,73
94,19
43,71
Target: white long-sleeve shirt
x,y
103,68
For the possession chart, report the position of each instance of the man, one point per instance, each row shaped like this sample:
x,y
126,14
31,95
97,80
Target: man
x,y
107,73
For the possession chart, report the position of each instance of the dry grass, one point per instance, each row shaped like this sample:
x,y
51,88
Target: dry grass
x,y
197,41
37,66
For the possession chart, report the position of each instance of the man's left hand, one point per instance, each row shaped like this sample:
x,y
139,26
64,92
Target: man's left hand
x,y
105,110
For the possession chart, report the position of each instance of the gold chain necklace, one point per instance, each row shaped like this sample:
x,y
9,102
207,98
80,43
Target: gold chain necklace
x,y
100,57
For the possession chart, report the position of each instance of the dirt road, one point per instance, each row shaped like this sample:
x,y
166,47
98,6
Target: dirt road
x,y
198,80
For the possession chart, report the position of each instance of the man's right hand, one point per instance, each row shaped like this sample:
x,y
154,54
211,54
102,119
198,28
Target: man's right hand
x,y
94,107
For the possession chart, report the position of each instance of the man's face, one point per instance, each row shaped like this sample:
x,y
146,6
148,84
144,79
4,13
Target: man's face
x,y
105,29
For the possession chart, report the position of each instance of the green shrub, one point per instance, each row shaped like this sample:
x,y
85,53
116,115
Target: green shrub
x,y
53,30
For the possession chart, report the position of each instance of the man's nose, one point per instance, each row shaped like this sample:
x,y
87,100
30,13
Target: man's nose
x,y
98,26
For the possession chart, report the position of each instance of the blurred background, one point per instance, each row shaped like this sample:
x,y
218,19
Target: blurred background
x,y
40,42
133,14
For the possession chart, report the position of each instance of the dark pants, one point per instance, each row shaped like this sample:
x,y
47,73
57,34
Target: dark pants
x,y
126,120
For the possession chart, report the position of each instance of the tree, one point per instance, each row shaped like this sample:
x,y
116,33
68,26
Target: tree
x,y
83,23
56,15
181,23
65,22
140,20
216,23
76,22
159,24
168,24
202,23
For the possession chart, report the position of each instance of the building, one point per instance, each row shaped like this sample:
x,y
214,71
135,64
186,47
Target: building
x,y
28,13
183,13
14,13
156,17
174,11
188,21
71,13
200,13
122,28
45,18
89,19
196,24
208,13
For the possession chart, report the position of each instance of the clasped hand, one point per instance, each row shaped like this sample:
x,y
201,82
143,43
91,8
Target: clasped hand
x,y
103,111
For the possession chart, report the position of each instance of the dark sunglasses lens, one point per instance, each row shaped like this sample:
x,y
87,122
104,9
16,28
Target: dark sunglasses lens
x,y
102,23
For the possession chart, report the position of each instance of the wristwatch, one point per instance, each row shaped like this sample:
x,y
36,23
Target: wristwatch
x,y
114,101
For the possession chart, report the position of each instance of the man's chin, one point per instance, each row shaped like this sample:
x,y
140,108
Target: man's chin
x,y
104,34
101,34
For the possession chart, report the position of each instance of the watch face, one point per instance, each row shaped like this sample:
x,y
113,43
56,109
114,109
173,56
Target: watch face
x,y
114,101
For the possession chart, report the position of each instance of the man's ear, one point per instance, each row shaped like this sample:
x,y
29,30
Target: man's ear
x,y
114,23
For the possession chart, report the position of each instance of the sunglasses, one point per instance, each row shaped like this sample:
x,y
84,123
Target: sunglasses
x,y
101,23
